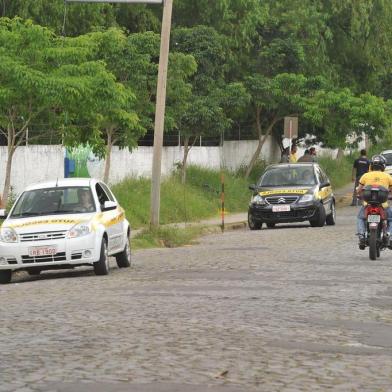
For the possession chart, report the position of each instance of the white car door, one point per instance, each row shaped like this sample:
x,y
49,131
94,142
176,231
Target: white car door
x,y
112,219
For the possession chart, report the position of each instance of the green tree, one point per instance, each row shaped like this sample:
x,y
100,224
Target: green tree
x,y
210,106
43,76
74,18
122,118
359,49
339,113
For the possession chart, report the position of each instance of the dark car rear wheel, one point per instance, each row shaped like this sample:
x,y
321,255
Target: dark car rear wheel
x,y
319,217
253,223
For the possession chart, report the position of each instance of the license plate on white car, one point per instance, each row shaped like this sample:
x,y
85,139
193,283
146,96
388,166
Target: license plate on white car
x,y
282,208
42,251
373,218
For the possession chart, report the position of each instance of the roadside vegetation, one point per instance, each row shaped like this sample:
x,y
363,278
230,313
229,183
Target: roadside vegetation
x,y
169,237
198,198
338,170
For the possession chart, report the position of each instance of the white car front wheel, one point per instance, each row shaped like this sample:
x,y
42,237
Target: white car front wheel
x,y
124,258
101,267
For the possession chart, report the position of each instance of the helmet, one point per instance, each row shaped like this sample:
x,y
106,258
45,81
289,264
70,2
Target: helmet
x,y
378,162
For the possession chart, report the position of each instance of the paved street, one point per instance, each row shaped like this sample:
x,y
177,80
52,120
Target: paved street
x,y
288,309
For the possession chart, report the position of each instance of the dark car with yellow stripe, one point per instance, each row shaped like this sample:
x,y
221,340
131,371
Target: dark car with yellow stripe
x,y
289,193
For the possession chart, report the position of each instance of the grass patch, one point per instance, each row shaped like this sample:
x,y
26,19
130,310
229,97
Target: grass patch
x,y
338,171
199,198
168,237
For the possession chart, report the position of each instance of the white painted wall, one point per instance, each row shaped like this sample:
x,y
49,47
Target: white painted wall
x,y
239,153
32,164
40,163
138,163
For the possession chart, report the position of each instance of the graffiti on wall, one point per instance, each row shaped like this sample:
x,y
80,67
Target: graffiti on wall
x,y
82,162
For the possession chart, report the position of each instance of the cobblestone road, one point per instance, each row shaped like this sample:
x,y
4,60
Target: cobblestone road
x,y
289,309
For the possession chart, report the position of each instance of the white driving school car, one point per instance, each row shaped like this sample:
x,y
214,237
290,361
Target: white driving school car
x,y
63,224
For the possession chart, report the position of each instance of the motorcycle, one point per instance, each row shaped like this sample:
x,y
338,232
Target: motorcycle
x,y
376,219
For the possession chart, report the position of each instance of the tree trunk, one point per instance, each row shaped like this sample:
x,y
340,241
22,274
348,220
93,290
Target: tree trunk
x,y
7,182
340,154
14,139
109,146
187,148
261,141
184,159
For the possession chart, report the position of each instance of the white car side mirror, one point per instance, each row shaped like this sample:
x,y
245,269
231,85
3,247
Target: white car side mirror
x,y
3,213
109,205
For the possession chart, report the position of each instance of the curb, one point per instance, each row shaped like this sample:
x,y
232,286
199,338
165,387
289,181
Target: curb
x,y
213,227
228,227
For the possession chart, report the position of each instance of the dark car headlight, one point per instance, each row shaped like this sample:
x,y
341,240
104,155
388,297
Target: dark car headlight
x,y
306,198
259,200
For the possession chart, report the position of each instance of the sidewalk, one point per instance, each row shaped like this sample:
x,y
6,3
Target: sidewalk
x,y
343,198
232,221
344,195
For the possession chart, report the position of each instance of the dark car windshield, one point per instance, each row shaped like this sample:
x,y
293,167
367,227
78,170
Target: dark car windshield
x,y
288,176
53,201
388,157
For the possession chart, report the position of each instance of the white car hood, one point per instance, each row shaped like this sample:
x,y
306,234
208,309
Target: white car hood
x,y
38,224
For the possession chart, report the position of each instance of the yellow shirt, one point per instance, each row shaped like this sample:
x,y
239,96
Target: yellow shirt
x,y
377,178
293,158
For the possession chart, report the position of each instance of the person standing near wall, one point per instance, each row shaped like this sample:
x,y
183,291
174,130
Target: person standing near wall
x,y
312,152
285,156
293,154
307,157
360,167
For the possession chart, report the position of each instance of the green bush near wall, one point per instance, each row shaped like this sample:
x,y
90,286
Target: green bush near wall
x,y
199,198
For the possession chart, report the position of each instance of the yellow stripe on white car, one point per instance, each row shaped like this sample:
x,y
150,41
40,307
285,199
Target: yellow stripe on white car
x,y
46,222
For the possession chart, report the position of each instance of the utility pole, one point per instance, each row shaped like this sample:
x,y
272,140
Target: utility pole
x,y
161,99
160,114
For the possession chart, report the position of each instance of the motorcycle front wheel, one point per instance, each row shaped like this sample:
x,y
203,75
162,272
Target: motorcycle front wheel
x,y
373,245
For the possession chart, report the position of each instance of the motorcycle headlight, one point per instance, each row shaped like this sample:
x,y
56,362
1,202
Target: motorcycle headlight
x,y
306,198
258,200
7,234
79,230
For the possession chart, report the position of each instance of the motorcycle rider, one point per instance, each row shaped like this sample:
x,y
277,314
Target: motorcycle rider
x,y
374,177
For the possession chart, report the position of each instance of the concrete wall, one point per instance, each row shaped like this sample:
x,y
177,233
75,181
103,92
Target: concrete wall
x,y
138,163
32,164
239,153
40,163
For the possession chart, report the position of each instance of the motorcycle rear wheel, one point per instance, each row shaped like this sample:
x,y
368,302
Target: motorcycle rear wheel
x,y
373,245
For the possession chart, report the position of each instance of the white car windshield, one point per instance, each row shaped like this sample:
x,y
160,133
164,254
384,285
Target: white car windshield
x,y
288,176
54,201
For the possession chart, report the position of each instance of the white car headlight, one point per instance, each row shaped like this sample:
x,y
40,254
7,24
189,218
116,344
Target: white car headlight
x,y
79,230
7,234
306,198
258,200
